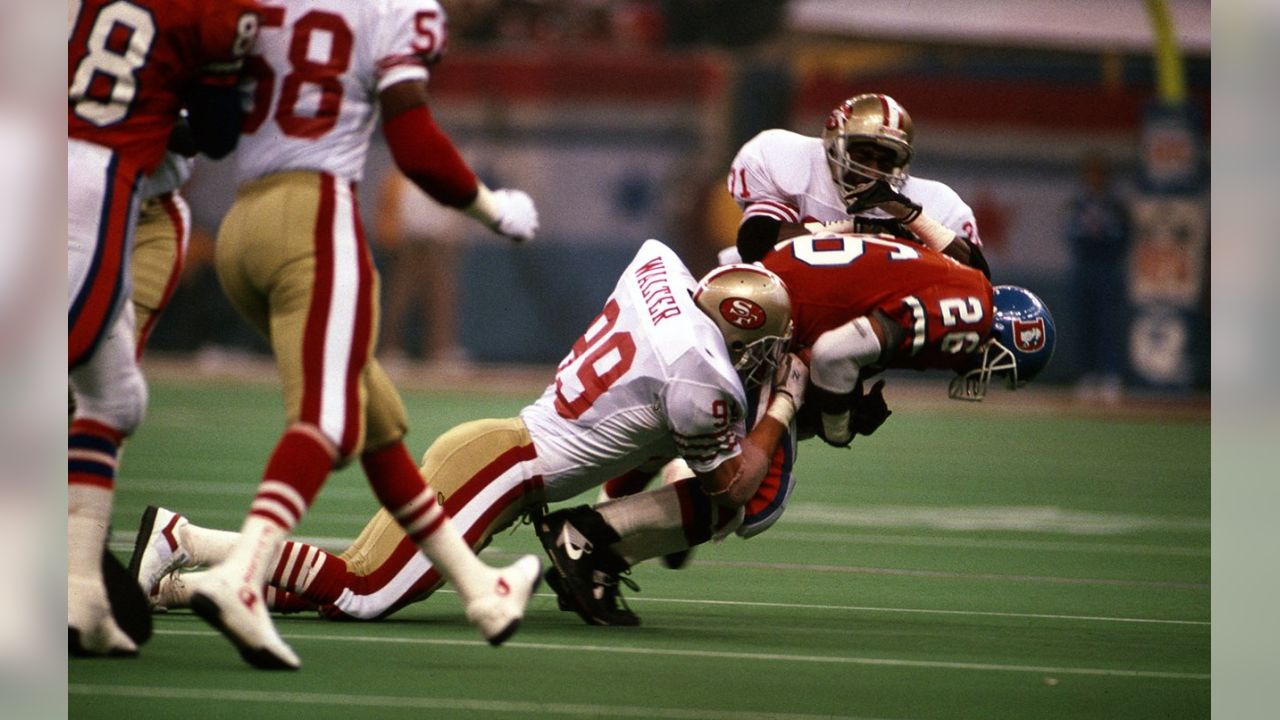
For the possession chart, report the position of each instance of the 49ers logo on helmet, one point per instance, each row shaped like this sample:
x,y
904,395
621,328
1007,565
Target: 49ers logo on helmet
x,y
742,313
1029,335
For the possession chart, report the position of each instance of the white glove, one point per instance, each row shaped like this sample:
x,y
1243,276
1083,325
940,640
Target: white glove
x,y
791,377
729,256
515,215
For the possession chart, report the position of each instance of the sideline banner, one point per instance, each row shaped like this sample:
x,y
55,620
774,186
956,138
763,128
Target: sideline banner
x,y
1168,335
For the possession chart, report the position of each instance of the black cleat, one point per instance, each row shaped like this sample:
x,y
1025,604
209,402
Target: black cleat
x,y
585,573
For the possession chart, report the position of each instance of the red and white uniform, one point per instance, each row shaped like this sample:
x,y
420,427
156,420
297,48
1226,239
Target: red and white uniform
x,y
319,67
128,62
943,307
785,176
650,378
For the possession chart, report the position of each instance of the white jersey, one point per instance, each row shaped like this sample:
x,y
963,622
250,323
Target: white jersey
x,y
319,66
784,175
650,378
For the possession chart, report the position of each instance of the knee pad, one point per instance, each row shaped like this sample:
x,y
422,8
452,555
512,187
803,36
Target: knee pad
x,y
120,404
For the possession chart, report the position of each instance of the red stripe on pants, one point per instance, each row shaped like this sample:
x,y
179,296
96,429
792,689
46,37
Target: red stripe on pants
x,y
318,313
106,276
170,205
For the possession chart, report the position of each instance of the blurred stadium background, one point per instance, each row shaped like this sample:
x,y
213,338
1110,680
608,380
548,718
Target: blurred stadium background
x,y
620,118
1050,560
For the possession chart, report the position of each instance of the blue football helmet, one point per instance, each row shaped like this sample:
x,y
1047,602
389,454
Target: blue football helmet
x,y
1020,346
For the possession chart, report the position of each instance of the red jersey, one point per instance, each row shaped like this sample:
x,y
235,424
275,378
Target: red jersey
x,y
943,307
129,62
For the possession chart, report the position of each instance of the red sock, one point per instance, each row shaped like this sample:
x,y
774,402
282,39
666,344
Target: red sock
x,y
317,576
297,469
283,601
696,511
402,491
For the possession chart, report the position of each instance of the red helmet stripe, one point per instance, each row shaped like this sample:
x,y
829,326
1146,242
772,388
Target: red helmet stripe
x,y
892,112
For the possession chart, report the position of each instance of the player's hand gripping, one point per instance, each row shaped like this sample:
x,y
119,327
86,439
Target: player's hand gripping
x,y
883,197
516,216
790,379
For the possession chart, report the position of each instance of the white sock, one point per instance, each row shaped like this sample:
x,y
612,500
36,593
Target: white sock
x,y
88,519
641,546
657,509
206,545
253,556
456,561
443,545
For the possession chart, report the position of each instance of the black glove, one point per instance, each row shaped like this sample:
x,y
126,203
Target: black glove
x,y
870,411
883,197
182,141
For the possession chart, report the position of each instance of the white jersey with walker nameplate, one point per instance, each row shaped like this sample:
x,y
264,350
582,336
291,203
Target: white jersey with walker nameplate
x,y
316,73
649,378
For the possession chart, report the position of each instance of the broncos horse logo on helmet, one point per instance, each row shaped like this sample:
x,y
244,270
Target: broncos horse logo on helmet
x,y
1020,347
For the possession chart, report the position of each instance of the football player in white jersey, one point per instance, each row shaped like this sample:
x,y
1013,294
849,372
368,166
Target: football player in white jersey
x,y
662,372
852,178
292,257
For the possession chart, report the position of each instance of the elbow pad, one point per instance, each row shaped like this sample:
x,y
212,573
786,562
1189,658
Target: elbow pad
x,y
839,353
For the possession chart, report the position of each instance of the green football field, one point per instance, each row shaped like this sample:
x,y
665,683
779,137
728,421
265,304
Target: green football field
x,y
965,562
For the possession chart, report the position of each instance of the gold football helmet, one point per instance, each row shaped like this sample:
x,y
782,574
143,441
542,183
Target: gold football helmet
x,y
868,138
752,308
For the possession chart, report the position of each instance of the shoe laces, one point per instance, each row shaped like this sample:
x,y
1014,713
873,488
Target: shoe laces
x,y
608,585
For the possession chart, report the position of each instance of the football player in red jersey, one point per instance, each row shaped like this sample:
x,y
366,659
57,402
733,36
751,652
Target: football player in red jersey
x,y
132,65
860,303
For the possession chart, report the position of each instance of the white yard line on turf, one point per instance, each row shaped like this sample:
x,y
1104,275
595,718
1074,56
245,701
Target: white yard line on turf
x,y
435,703
921,611
828,538
724,655
432,704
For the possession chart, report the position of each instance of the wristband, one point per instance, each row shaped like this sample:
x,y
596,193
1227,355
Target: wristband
x,y
933,234
782,408
485,207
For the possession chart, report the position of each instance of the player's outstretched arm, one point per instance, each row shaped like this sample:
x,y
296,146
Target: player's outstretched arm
x,y
429,158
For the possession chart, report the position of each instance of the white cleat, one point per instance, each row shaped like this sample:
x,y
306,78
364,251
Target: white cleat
x,y
158,550
91,629
497,613
172,593
238,610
